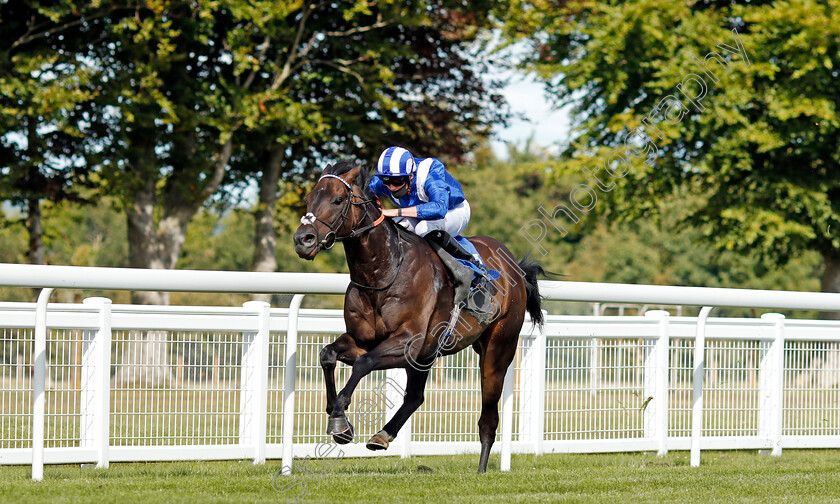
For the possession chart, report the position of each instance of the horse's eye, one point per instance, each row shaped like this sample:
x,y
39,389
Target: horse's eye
x,y
338,200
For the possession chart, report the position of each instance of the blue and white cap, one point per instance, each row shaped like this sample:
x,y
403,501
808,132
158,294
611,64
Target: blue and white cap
x,y
395,162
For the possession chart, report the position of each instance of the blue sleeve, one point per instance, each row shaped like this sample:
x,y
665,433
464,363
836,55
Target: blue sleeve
x,y
438,193
377,187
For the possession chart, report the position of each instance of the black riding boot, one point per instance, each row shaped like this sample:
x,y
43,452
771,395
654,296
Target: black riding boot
x,y
451,245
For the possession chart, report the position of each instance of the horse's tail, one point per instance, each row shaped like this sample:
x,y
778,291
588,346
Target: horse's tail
x,y
533,304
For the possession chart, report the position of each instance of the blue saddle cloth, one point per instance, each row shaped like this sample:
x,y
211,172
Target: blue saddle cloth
x,y
477,272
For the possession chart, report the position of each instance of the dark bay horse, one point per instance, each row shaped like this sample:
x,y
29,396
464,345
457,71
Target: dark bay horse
x,y
399,300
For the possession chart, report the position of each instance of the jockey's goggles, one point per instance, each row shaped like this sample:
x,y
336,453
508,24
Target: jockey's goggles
x,y
394,181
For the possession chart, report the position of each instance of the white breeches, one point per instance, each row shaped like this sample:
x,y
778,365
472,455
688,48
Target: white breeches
x,y
454,222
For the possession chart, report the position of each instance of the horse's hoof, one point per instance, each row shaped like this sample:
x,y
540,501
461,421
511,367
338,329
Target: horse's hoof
x,y
380,441
340,429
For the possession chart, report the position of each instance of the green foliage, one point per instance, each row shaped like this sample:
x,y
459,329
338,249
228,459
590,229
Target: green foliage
x,y
759,149
172,101
219,244
169,101
13,243
85,235
504,195
76,234
40,83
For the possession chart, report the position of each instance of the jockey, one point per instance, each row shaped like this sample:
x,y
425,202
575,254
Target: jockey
x,y
428,198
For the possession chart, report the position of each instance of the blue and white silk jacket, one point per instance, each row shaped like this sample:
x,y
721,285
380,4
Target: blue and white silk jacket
x,y
433,190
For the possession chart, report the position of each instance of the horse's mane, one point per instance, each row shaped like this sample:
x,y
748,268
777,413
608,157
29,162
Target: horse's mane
x,y
344,166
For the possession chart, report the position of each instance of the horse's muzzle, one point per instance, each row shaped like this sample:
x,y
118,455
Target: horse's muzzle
x,y
306,243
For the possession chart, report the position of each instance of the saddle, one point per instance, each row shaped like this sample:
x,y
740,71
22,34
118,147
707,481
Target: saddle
x,y
473,288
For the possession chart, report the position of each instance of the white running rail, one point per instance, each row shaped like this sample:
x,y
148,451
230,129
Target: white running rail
x,y
583,384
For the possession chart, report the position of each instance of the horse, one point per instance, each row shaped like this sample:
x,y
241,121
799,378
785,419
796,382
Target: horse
x,y
400,297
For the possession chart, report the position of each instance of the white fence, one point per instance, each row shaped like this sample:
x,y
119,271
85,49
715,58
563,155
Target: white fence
x,y
584,384
223,383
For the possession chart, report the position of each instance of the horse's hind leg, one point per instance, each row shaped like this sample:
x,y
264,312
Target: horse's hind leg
x,y
495,357
414,385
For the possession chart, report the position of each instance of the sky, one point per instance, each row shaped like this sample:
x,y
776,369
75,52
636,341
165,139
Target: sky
x,y
547,125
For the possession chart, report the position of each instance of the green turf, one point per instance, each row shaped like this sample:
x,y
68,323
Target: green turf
x,y
798,476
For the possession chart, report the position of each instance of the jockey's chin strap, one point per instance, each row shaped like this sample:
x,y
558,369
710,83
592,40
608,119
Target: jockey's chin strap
x,y
330,238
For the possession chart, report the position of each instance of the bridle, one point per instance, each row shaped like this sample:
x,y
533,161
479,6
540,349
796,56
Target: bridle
x,y
331,237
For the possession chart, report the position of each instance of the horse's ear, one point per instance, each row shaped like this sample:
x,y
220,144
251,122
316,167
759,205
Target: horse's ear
x,y
328,167
353,174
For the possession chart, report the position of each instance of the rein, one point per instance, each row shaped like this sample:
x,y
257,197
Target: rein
x,y
330,238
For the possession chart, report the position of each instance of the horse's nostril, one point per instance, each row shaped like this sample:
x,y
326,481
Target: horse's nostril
x,y
308,239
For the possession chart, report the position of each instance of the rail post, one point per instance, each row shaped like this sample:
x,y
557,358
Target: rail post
x,y
394,392
507,417
289,375
38,384
254,395
96,383
771,381
697,388
532,390
656,393
538,392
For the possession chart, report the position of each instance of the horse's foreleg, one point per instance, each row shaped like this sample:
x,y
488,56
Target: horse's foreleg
x,y
388,354
414,386
344,349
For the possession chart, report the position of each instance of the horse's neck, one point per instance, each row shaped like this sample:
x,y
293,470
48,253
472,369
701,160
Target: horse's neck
x,y
373,257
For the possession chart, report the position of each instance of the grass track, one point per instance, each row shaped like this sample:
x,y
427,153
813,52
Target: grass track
x,y
732,477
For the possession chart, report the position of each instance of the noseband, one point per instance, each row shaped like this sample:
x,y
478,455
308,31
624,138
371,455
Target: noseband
x,y
331,237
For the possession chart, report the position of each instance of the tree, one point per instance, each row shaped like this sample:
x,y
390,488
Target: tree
x,y
735,102
41,153
184,91
364,76
646,250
